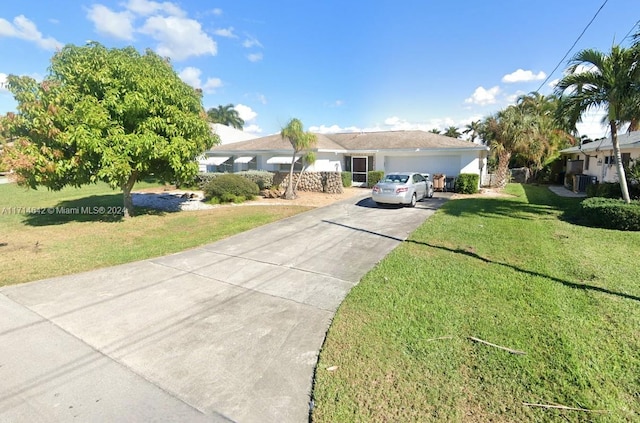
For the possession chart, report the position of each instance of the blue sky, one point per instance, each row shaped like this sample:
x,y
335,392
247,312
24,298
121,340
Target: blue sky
x,y
336,65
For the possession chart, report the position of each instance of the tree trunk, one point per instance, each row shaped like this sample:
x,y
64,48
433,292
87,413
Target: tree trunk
x,y
502,172
126,194
289,193
620,168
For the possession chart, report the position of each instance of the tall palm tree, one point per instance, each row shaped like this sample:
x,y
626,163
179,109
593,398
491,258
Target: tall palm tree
x,y
452,132
473,129
226,115
611,82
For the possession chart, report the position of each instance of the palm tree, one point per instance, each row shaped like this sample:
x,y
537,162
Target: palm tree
x,y
300,141
509,131
452,132
611,82
473,129
435,131
226,115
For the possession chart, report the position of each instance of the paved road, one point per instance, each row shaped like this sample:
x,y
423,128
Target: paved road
x,y
226,332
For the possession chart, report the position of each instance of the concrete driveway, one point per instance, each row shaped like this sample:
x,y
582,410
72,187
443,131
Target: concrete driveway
x,y
226,332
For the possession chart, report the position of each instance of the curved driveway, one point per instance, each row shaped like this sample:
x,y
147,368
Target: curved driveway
x,y
226,332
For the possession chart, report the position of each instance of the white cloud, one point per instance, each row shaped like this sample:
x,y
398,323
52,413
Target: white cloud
x,y
482,96
118,25
148,8
25,29
217,11
522,75
225,32
212,85
252,129
254,57
552,84
251,42
3,82
191,76
179,38
246,113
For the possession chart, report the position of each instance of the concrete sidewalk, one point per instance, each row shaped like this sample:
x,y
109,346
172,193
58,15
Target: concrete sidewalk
x,y
226,332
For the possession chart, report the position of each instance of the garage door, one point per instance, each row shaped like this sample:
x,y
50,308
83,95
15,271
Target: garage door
x,y
449,165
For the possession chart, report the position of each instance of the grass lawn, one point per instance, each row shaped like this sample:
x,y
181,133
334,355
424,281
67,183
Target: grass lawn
x,y
515,272
37,246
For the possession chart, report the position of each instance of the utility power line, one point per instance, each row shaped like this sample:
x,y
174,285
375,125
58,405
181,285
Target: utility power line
x,y
573,45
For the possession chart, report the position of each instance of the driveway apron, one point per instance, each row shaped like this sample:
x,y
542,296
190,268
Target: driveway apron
x,y
226,332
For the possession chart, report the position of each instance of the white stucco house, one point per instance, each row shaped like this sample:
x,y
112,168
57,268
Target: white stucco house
x,y
389,151
596,159
227,135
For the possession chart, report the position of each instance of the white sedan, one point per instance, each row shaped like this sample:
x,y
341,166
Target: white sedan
x,y
402,188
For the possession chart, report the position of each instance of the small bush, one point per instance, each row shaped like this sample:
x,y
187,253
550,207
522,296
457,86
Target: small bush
x,y
231,187
611,213
374,177
202,179
347,179
467,183
263,178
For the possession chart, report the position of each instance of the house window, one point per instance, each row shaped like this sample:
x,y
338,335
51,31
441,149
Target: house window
x,y
626,158
610,160
586,162
286,167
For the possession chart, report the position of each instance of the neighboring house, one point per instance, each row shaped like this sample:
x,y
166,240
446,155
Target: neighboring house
x,y
389,151
227,135
596,158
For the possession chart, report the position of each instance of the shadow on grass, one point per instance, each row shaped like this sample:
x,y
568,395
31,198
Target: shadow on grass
x,y
95,208
529,272
471,254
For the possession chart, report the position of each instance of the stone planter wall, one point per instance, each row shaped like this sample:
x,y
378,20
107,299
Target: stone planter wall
x,y
329,182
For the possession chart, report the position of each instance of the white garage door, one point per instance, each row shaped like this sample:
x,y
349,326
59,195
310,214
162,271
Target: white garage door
x,y
449,165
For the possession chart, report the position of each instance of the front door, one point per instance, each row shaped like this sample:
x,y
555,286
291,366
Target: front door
x,y
359,170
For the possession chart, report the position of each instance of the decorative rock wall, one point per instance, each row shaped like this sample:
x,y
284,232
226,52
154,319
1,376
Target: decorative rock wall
x,y
329,182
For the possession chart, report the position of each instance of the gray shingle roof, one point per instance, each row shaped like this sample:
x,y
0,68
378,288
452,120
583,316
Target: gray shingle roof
x,y
626,140
359,141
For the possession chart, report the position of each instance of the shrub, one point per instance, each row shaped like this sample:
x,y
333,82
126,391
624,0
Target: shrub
x,y
611,213
263,178
374,177
230,187
202,179
347,178
467,183
604,190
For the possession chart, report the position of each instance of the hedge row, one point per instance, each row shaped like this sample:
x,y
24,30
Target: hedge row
x,y
611,213
611,190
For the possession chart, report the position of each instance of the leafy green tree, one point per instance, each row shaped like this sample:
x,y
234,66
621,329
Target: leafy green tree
x,y
473,129
435,131
300,141
549,136
611,81
111,115
226,115
452,132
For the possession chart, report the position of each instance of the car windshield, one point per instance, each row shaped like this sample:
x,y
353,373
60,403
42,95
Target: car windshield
x,y
396,179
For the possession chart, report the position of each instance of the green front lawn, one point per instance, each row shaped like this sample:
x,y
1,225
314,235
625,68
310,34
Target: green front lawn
x,y
515,272
36,246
